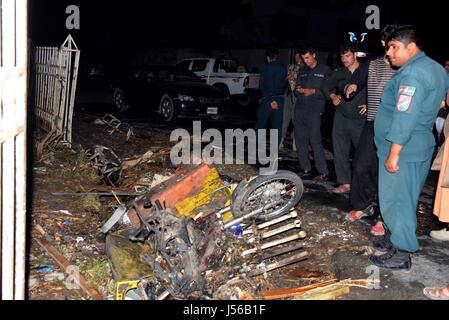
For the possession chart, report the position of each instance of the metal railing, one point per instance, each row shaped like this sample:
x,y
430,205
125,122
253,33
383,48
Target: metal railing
x,y
56,77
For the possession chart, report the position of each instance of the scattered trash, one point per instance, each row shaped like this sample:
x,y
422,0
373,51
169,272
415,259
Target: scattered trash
x,y
99,122
159,178
116,125
54,276
66,265
131,162
108,165
65,212
79,239
32,283
44,268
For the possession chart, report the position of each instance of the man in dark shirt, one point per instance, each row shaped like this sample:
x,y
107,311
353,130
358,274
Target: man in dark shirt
x,y
308,109
349,117
364,185
273,80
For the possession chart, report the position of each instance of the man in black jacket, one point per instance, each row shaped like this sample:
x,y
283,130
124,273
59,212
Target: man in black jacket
x,y
349,117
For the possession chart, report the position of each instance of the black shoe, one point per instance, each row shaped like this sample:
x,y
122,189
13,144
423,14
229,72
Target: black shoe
x,y
393,259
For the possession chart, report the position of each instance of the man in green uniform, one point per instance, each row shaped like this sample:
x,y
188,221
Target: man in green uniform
x,y
405,143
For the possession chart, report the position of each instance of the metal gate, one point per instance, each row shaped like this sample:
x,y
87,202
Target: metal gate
x,y
56,77
13,102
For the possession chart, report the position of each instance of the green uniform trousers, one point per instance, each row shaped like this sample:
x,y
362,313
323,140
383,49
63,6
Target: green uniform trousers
x,y
398,200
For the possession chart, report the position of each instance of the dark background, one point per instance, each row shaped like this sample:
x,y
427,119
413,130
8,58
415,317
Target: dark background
x,y
112,30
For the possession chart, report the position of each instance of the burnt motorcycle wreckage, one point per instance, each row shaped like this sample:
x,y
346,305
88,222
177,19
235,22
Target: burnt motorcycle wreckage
x,y
194,258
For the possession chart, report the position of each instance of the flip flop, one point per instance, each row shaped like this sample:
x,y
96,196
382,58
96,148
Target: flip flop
x,y
355,215
341,190
437,293
378,229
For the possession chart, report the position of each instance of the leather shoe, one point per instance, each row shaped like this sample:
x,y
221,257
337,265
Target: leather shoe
x,y
393,259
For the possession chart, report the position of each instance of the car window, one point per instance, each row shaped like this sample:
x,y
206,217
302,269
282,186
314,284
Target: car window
x,y
199,65
225,65
177,74
184,64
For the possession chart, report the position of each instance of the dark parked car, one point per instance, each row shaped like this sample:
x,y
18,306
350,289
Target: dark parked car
x,y
172,92
96,86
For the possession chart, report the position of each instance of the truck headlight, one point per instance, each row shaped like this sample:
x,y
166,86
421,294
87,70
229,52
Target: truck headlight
x,y
185,98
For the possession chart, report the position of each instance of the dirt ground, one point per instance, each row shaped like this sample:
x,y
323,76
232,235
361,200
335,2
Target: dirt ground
x,y
337,249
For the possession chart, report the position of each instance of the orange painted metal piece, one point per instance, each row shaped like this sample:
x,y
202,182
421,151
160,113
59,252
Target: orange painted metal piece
x,y
185,183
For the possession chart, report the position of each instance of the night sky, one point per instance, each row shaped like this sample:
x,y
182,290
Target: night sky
x,y
118,28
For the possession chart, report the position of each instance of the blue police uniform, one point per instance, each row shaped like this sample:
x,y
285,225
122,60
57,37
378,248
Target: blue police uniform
x,y
408,110
308,112
273,80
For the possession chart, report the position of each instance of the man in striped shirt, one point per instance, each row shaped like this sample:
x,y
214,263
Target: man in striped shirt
x,y
365,163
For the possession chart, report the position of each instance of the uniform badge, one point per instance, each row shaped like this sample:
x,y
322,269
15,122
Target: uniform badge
x,y
406,94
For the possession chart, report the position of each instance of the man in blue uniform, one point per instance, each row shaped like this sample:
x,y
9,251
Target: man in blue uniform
x,y
308,110
273,80
405,143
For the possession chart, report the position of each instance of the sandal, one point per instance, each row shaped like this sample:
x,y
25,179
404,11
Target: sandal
x,y
378,229
342,189
437,293
355,215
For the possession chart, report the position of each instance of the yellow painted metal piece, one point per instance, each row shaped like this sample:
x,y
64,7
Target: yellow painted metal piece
x,y
122,287
203,200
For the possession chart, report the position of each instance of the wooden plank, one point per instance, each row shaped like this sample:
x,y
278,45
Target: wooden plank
x,y
64,264
327,293
292,292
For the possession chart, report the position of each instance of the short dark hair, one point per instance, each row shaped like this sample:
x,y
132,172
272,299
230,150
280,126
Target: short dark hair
x,y
307,50
272,53
405,34
387,30
347,47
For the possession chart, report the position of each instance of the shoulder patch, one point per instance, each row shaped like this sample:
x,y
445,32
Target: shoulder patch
x,y
404,102
407,90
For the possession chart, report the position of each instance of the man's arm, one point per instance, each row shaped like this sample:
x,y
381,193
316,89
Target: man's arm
x,y
330,84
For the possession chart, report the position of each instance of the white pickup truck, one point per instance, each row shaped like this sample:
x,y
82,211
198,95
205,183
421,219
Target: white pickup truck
x,y
226,75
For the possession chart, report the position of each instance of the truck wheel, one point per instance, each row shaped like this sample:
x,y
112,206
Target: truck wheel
x,y
167,108
223,88
244,100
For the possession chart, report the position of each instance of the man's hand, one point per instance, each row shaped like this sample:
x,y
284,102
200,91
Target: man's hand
x,y
274,105
362,109
309,92
336,100
391,164
350,89
290,77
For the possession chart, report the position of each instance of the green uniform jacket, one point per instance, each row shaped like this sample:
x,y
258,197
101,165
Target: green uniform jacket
x,y
408,109
335,83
